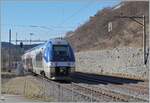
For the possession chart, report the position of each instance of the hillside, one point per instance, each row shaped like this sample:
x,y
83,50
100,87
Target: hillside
x,y
94,35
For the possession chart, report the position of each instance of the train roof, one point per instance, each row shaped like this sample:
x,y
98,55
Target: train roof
x,y
52,41
58,41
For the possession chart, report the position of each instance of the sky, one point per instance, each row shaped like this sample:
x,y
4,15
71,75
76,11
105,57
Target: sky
x,y
46,19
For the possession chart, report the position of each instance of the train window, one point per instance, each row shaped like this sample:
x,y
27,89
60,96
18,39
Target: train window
x,y
61,52
39,60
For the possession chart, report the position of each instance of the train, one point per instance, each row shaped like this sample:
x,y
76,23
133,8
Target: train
x,y
53,59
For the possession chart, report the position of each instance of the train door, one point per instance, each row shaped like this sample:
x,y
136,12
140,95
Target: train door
x,y
39,63
29,65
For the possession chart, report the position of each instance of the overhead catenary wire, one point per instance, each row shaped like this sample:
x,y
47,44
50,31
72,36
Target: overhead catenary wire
x,y
32,26
56,28
59,30
38,26
78,11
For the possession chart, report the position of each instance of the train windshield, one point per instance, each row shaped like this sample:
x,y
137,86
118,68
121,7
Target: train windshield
x,y
61,52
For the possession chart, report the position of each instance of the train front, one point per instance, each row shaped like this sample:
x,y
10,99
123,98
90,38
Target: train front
x,y
62,63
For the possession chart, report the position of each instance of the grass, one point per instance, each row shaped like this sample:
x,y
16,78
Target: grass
x,y
27,86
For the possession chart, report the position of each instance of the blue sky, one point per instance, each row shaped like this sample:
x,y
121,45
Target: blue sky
x,y
46,18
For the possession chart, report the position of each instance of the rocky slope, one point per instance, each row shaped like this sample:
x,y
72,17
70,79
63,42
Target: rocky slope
x,y
94,35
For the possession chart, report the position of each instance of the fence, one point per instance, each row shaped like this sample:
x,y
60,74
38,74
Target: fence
x,y
61,92
51,91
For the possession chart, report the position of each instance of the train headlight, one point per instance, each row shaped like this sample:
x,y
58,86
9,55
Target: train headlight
x,y
72,70
62,70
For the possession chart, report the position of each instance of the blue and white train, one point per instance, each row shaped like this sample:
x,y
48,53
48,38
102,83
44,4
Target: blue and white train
x,y
54,59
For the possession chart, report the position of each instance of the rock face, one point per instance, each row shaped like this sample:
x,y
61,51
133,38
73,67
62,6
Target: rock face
x,y
118,61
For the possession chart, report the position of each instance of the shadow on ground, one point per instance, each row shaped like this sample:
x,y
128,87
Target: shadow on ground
x,y
89,78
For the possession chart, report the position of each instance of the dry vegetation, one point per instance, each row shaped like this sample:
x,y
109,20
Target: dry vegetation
x,y
94,33
26,85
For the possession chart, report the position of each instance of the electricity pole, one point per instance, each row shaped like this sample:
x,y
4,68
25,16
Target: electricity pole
x,y
30,37
16,39
9,48
144,40
145,53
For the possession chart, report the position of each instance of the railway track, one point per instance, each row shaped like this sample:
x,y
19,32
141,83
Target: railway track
x,y
133,87
144,85
106,95
67,87
88,92
131,93
94,93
